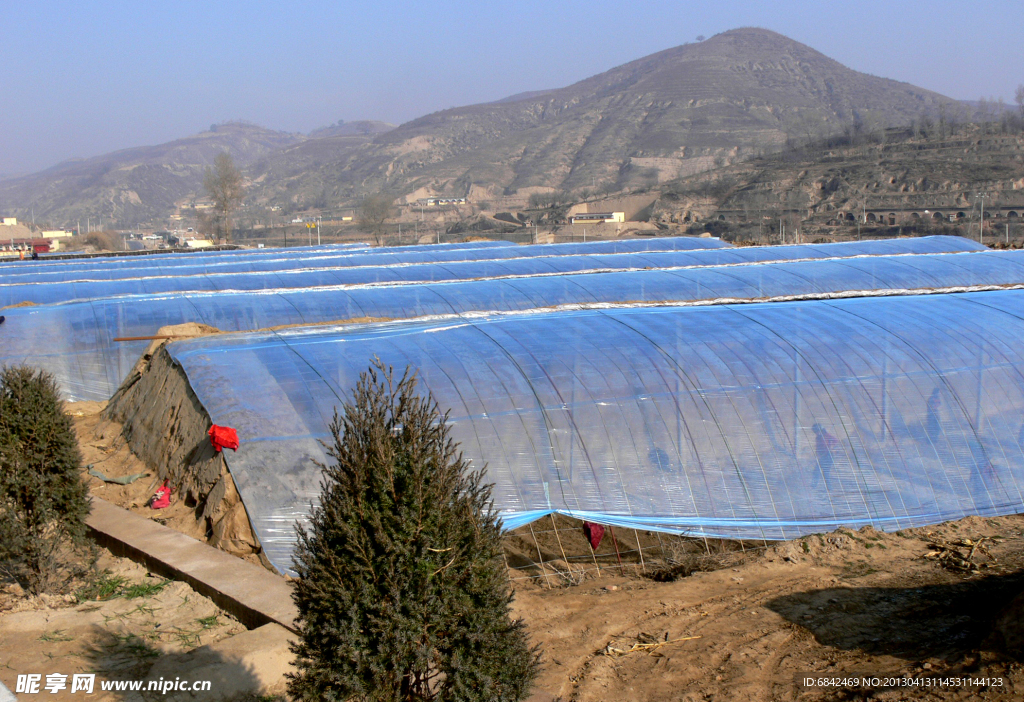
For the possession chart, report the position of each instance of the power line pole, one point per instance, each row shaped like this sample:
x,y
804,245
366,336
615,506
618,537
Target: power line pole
x,y
981,226
981,222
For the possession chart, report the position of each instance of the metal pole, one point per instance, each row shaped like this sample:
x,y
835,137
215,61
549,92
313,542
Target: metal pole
x,y
318,231
981,225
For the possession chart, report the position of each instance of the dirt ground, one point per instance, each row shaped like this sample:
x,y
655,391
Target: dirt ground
x,y
128,626
937,610
840,605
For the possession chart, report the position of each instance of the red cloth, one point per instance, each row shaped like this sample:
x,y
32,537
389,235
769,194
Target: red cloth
x,y
223,437
594,534
162,497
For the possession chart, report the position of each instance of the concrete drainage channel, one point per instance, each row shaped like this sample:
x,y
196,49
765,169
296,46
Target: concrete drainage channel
x,y
252,594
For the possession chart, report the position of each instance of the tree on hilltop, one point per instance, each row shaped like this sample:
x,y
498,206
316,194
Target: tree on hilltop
x,y
224,185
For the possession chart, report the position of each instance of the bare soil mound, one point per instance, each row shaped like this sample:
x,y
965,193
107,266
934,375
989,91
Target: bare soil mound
x,y
165,429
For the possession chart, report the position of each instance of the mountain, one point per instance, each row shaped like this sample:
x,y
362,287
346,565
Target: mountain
x,y
675,113
138,184
670,114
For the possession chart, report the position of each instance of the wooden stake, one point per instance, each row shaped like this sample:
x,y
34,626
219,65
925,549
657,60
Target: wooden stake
x,y
615,543
147,338
559,539
540,556
643,568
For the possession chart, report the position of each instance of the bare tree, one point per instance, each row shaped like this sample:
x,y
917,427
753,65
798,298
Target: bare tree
x,y
374,215
1018,97
223,184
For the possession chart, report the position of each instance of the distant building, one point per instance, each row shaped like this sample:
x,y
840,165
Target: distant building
x,y
56,234
597,217
14,247
436,201
198,243
9,222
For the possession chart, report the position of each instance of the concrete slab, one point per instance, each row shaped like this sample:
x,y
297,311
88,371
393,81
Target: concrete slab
x,y
252,594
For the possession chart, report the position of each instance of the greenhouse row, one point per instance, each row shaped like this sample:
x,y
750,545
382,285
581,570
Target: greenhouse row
x,y
462,264
78,341
763,421
677,385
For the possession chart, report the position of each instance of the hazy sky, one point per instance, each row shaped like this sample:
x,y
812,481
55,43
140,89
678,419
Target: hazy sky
x,y
80,79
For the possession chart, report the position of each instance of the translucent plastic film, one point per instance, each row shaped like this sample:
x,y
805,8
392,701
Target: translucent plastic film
x,y
760,421
112,267
76,341
290,260
461,264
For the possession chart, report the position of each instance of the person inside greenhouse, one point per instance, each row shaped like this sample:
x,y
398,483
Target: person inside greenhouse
x,y
660,459
932,426
825,447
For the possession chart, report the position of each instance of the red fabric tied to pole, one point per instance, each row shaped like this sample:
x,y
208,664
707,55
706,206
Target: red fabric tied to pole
x,y
223,437
162,497
594,534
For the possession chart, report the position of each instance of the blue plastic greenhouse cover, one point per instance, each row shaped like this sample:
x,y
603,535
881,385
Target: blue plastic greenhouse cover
x,y
550,259
759,421
287,259
115,267
75,341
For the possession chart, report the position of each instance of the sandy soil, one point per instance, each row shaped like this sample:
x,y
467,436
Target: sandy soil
x,y
119,638
836,605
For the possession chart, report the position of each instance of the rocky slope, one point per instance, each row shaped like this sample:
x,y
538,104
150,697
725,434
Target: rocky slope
x,y
674,113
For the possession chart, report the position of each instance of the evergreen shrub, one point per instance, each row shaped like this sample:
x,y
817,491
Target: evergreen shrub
x,y
402,591
43,499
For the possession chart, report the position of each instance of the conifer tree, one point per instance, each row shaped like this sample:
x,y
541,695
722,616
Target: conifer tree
x,y
43,500
402,591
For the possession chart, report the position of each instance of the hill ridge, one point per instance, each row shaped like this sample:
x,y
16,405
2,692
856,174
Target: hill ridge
x,y
676,112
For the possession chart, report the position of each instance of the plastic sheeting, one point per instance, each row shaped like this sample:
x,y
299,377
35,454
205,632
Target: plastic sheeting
x,y
116,267
760,421
75,341
497,261
64,284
